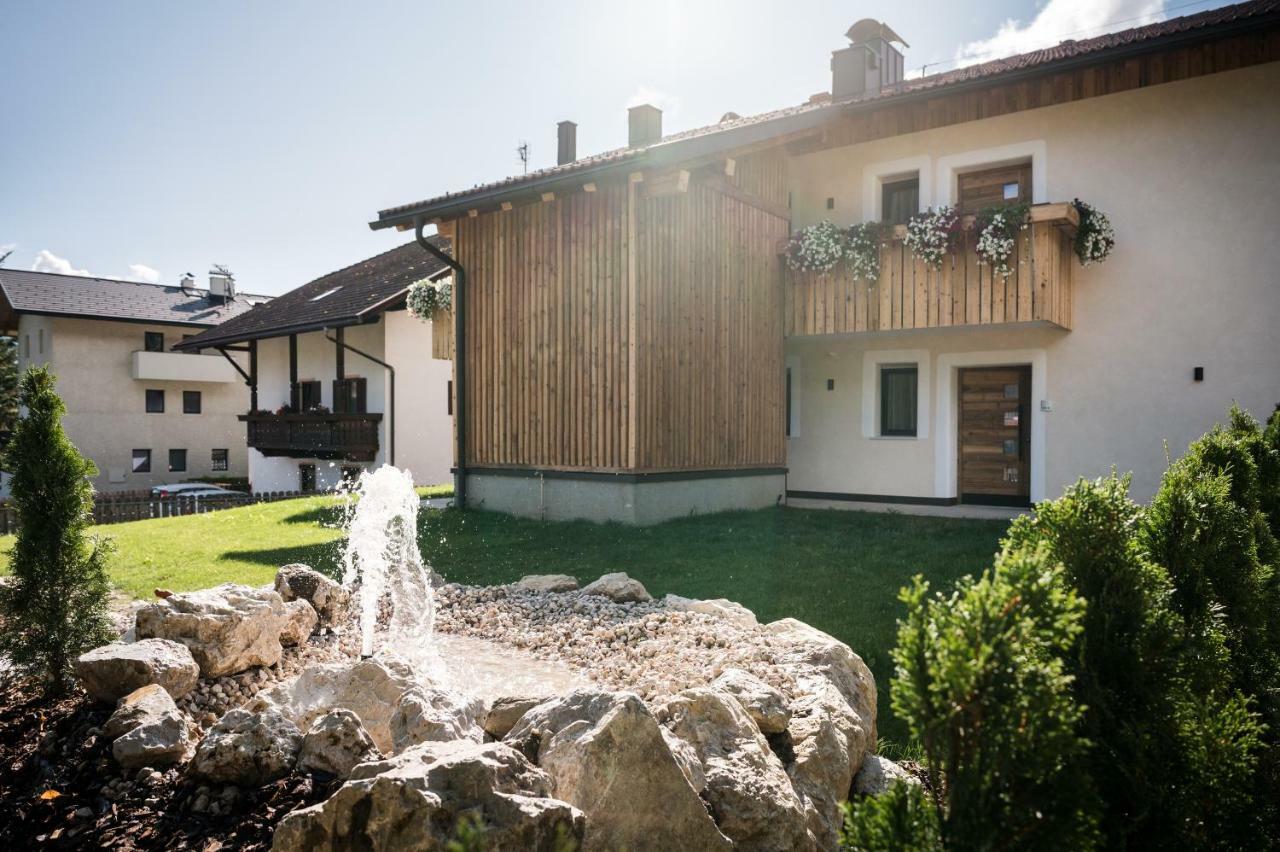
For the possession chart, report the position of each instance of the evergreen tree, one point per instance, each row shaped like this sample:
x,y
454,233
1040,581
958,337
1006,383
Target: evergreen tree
x,y
56,605
8,383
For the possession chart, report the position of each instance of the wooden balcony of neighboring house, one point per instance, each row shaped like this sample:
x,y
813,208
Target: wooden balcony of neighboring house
x,y
317,435
151,366
910,294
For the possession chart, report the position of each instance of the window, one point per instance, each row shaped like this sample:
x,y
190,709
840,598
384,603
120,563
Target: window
x,y
898,401
310,393
328,292
900,200
40,341
153,341
218,460
993,187
141,461
350,475
155,401
26,346
191,402
349,396
177,461
306,478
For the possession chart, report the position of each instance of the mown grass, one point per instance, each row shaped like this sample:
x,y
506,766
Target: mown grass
x,y
839,571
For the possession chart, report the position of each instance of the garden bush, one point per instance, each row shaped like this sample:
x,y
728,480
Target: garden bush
x,y
902,818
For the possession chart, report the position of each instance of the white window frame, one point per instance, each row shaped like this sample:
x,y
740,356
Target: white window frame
x,y
876,175
871,363
950,167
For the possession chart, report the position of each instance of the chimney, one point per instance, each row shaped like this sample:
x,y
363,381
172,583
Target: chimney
x,y
566,142
869,64
644,125
221,284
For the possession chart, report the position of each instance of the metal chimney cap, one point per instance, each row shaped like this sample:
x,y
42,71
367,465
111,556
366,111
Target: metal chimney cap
x,y
869,28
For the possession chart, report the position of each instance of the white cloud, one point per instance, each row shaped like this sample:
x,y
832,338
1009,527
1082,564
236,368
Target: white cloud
x,y
142,272
669,104
47,261
1058,20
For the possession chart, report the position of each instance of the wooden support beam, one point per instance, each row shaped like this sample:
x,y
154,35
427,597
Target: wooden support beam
x,y
473,213
589,186
294,395
506,207
724,186
548,196
730,166
253,375
669,183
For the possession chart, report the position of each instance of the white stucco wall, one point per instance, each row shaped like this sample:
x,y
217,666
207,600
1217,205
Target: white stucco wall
x,y
106,407
1186,172
424,426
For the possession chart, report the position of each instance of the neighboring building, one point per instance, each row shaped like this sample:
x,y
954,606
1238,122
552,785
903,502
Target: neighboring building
x,y
342,378
144,414
635,347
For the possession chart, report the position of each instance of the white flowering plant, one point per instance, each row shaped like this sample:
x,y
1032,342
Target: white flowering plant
x,y
425,297
1095,238
863,250
998,229
817,248
929,234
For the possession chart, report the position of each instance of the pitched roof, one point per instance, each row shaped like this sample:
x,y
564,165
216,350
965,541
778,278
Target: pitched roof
x,y
345,297
54,294
731,133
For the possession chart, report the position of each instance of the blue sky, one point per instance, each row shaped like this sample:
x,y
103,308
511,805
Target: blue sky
x,y
146,139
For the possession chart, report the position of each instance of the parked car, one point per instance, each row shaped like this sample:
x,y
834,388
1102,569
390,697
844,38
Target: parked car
x,y
194,489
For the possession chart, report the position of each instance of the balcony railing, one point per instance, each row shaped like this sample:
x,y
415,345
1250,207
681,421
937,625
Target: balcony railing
x,y
912,295
181,367
352,437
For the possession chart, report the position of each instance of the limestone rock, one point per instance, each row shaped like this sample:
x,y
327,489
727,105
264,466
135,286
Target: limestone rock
x,y
878,774
833,720
329,599
228,629
301,621
113,671
731,611
505,712
546,583
426,714
249,749
335,743
149,730
414,801
606,755
618,588
369,688
748,788
765,705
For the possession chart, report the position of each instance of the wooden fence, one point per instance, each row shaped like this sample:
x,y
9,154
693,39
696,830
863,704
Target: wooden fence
x,y
140,505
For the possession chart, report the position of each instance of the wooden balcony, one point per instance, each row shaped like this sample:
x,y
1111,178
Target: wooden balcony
x,y
964,292
350,437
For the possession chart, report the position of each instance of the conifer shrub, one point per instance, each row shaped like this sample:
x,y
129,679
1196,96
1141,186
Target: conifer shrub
x,y
983,682
55,606
902,818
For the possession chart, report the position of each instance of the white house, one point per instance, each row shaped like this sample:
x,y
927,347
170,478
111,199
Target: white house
x,y
341,378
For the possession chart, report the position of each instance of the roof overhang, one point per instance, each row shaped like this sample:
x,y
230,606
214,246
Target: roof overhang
x,y
216,342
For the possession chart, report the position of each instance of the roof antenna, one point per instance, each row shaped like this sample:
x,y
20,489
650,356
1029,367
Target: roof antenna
x,y
523,150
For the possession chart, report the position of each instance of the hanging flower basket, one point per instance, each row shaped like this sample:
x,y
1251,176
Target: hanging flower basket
x,y
863,250
1095,238
929,234
426,297
997,229
817,248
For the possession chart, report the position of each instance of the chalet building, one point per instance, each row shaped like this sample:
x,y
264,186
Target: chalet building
x,y
633,344
143,412
341,377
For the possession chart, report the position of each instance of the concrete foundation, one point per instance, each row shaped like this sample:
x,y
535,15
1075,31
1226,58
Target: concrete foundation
x,y
630,499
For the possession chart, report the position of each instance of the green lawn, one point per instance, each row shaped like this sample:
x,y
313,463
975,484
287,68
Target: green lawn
x,y
839,571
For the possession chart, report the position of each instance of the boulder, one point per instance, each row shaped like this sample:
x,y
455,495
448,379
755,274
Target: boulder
x,y
301,621
149,730
417,799
248,749
606,755
766,706
750,794
335,743
113,671
369,688
730,611
546,583
832,725
426,714
618,588
505,712
228,628
329,599
878,774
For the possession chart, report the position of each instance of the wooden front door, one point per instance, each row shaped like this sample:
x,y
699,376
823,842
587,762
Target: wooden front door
x,y
995,435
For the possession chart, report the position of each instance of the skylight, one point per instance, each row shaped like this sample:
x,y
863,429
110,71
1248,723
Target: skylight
x,y
326,293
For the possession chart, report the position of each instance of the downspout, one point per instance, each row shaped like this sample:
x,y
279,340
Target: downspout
x,y
391,406
459,362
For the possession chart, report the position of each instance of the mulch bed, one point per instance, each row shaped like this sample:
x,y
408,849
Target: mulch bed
x,y
57,781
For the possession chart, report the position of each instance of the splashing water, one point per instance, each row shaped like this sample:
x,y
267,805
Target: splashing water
x,y
382,561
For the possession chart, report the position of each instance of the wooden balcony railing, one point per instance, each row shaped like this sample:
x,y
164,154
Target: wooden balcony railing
x,y
353,437
911,295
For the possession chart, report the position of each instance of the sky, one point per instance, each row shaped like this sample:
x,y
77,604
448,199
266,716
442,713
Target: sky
x,y
143,140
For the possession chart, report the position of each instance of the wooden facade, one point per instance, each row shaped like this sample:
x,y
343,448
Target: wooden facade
x,y
912,295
